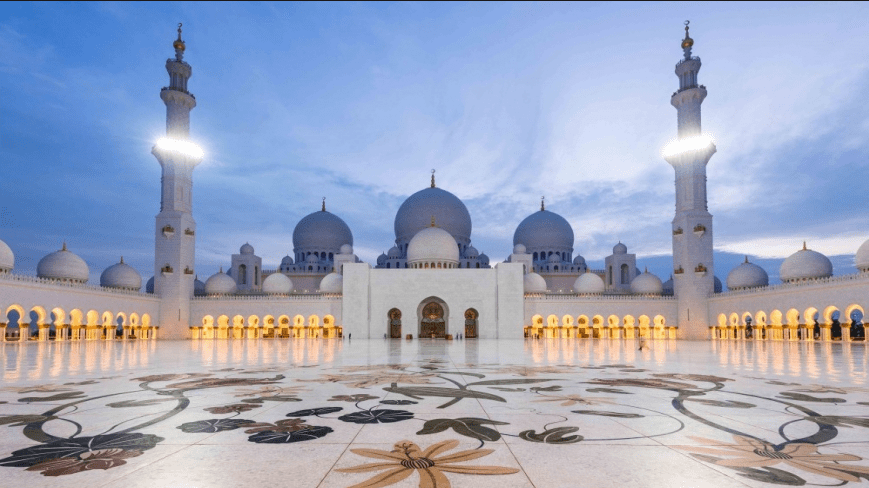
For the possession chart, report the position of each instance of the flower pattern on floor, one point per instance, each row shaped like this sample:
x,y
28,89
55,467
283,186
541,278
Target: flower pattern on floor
x,y
448,411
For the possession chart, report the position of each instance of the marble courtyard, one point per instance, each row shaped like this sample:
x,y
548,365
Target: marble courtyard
x,y
433,413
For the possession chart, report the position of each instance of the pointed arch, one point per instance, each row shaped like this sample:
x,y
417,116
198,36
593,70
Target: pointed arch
x,y
567,321
775,318
552,321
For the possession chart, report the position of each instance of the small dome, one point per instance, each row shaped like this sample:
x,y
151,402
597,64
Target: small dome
x,y
805,264
471,252
381,260
647,284
277,284
122,276
321,230
7,258
149,286
620,249
589,284
198,287
668,288
287,261
220,283
63,265
579,260
416,212
246,249
554,258
519,249
861,259
332,283
747,275
394,252
312,259
534,283
433,244
544,230
346,249
484,259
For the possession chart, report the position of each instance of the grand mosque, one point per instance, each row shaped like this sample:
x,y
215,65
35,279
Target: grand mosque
x,y
432,281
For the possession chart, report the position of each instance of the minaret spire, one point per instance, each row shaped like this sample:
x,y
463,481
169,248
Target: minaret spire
x,y
175,229
432,178
542,204
686,43
323,209
689,155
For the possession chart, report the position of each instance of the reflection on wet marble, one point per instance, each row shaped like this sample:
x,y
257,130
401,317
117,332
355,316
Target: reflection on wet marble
x,y
432,413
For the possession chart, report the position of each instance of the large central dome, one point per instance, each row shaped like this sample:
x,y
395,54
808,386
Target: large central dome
x,y
321,230
544,230
416,212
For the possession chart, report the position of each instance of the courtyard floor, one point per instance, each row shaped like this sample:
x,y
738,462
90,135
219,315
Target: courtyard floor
x,y
432,413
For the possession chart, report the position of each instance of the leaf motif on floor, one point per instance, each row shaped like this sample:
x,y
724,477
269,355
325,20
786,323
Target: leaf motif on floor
x,y
70,395
558,435
307,434
314,411
467,426
609,414
377,416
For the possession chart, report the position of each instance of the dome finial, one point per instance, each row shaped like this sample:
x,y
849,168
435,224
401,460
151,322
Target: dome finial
x,y
64,246
432,178
433,221
221,269
179,45
323,209
542,203
746,259
122,259
804,246
687,42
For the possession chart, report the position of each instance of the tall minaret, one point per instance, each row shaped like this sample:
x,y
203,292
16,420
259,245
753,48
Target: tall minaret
x,y
175,235
692,226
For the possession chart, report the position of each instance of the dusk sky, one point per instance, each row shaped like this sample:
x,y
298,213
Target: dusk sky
x,y
508,102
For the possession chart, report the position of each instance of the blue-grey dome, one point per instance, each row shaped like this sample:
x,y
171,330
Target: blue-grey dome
x,y
449,212
149,286
544,230
321,230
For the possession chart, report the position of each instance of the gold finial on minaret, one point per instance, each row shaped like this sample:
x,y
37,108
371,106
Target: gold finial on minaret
x,y
432,180
179,44
323,209
542,205
687,42
433,221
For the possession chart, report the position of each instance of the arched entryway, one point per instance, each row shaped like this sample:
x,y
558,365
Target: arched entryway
x,y
433,318
471,317
394,316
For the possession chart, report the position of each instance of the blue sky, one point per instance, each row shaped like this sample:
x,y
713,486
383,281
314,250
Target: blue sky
x,y
358,102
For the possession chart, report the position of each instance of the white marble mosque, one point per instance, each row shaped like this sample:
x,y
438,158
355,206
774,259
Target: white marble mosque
x,y
433,280
433,367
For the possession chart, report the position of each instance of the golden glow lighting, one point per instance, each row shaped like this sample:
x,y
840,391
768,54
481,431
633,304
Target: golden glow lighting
x,y
688,144
185,147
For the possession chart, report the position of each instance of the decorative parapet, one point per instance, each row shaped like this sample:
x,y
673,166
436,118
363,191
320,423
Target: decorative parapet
x,y
679,270
167,270
699,230
856,278
700,270
326,297
678,231
187,270
549,297
168,231
188,231
66,284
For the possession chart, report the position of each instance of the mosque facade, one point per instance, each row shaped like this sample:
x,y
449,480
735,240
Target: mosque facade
x,y
432,282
